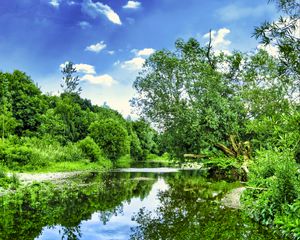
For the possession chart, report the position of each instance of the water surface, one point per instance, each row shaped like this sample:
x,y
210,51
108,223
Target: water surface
x,y
147,203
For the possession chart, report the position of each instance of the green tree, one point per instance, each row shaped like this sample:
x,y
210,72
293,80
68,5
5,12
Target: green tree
x,y
111,137
25,102
8,122
71,82
90,149
188,98
284,34
76,121
145,135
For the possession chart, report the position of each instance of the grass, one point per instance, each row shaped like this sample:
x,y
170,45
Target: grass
x,y
66,166
124,162
165,158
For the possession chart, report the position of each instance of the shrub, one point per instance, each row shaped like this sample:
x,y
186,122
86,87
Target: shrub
x,y
274,178
111,137
18,156
90,149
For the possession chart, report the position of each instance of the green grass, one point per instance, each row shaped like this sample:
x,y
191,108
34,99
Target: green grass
x,y
81,165
165,158
124,162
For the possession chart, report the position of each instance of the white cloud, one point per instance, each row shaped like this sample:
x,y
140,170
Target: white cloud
x,y
71,3
54,3
287,22
134,64
111,52
84,24
270,49
81,68
98,47
218,40
132,5
224,51
145,52
105,79
234,12
94,9
85,68
116,63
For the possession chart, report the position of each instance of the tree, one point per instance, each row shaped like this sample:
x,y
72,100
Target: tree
x,y
111,137
71,82
187,98
145,136
76,121
284,35
24,101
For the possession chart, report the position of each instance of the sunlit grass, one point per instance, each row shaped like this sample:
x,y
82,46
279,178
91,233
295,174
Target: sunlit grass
x,y
82,165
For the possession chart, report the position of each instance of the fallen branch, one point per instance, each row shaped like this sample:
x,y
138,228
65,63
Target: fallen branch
x,y
226,150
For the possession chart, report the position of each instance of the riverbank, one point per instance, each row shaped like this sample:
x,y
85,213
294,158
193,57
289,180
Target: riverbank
x,y
27,178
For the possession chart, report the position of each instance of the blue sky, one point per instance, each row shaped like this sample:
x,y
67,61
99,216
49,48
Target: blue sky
x,y
109,40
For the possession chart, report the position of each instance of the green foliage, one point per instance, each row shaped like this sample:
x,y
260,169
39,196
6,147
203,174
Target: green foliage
x,y
16,156
188,98
146,137
8,124
75,121
52,125
67,204
90,149
111,137
136,151
188,209
124,162
223,163
71,82
288,221
273,177
265,90
8,182
283,34
25,101
277,131
163,158
34,153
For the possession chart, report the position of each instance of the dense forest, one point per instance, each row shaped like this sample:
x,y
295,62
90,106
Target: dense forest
x,y
237,111
39,129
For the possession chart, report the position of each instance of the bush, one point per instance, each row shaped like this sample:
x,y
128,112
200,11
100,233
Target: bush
x,y
274,178
90,149
18,156
111,137
33,153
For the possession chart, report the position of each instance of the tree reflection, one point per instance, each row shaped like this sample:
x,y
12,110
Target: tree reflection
x,y
190,210
23,215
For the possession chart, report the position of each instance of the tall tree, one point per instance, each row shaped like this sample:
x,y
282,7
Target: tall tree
x,y
71,82
188,98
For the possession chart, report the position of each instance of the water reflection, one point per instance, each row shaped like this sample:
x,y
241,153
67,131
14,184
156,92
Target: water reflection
x,y
123,205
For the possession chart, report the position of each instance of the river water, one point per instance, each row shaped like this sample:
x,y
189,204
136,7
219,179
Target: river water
x,y
133,203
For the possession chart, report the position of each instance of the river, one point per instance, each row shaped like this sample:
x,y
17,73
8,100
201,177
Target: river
x,y
132,203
